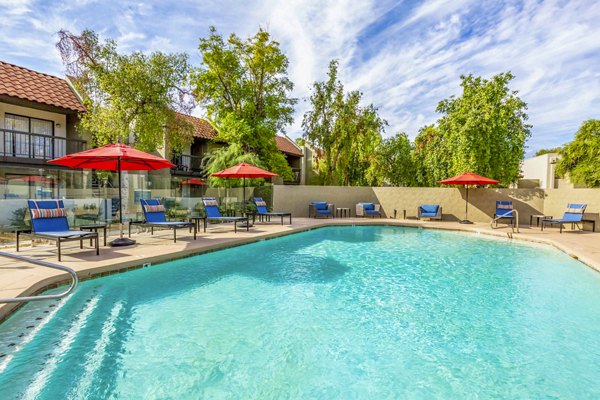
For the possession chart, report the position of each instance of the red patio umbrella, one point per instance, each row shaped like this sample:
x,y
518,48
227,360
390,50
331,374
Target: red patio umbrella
x,y
115,157
244,170
468,178
193,182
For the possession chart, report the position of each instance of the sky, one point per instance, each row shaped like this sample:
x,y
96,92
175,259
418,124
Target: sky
x,y
404,56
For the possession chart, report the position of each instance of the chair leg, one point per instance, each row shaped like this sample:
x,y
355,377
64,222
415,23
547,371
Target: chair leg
x,y
195,231
18,234
81,244
58,246
235,226
152,230
174,235
247,224
98,243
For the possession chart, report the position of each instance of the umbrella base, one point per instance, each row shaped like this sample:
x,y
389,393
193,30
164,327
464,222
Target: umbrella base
x,y
465,221
121,242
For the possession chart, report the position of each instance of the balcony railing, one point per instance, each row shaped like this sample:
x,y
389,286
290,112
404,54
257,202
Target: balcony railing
x,y
187,165
33,146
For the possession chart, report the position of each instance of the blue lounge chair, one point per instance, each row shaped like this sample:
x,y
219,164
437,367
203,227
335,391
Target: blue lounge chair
x,y
213,214
154,217
49,221
261,208
320,209
504,210
368,209
431,211
573,216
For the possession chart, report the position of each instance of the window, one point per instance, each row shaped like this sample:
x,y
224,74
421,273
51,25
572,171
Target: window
x,y
30,137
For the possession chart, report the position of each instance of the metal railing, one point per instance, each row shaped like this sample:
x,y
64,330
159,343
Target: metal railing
x,y
23,299
514,226
186,164
36,146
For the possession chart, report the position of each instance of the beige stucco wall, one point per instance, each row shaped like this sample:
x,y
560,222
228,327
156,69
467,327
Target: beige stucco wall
x,y
59,131
481,201
295,199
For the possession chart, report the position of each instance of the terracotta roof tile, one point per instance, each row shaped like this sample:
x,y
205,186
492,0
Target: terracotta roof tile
x,y
285,145
202,128
35,86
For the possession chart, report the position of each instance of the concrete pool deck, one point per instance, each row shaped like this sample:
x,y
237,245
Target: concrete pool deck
x,y
20,279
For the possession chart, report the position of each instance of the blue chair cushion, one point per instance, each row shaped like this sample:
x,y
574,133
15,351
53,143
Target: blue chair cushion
x,y
261,206
55,224
320,205
151,215
431,209
504,209
368,206
212,210
574,212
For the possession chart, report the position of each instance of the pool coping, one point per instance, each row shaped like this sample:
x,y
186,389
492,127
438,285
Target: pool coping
x,y
51,282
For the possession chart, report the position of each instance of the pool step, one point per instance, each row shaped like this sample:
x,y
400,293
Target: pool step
x,y
97,355
39,381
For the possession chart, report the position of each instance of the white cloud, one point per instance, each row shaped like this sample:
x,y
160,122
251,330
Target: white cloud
x,y
404,57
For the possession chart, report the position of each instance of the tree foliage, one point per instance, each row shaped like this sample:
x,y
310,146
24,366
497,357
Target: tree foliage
x,y
396,164
580,159
431,156
347,134
224,157
244,87
128,95
482,131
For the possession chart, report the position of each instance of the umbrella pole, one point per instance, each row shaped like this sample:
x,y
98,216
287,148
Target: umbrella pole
x,y
120,196
466,220
121,241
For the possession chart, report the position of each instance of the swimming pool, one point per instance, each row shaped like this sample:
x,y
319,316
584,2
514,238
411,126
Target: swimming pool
x,y
338,312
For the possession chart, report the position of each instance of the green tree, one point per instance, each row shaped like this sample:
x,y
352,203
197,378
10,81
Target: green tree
x,y
541,152
483,131
347,133
244,87
395,161
431,157
129,94
580,159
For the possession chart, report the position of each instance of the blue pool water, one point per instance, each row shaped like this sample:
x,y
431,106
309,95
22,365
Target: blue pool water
x,y
334,313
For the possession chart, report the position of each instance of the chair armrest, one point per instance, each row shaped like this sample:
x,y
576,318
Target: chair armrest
x,y
378,208
359,211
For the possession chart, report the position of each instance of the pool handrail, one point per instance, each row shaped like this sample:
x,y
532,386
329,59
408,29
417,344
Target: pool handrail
x,y
24,299
515,226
